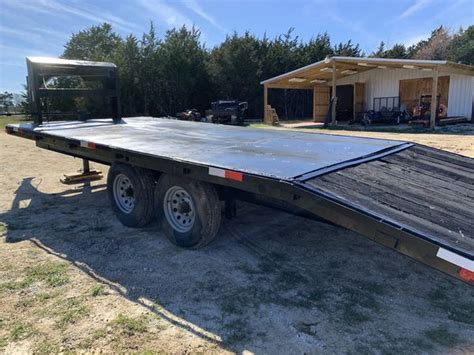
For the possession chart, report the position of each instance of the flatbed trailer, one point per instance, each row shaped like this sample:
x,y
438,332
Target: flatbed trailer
x,y
408,197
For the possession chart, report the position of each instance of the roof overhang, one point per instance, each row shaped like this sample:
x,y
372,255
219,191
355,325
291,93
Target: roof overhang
x,y
321,73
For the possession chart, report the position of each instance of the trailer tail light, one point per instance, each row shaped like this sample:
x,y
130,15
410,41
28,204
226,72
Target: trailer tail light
x,y
227,174
466,275
89,145
466,266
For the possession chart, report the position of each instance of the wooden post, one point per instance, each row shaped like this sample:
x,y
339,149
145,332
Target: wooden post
x,y
334,99
265,103
434,99
314,103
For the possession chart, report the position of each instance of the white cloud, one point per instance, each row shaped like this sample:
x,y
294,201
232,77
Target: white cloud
x,y
12,52
417,6
194,6
18,33
166,13
34,34
55,8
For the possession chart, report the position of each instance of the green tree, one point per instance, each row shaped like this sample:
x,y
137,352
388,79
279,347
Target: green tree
x,y
347,49
97,43
398,51
128,59
6,101
461,48
316,49
235,69
183,71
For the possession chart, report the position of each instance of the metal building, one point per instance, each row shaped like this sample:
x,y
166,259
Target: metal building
x,y
363,84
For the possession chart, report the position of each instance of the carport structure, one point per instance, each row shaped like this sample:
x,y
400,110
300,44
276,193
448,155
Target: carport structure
x,y
370,77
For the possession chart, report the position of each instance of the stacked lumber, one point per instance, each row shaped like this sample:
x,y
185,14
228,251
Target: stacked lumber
x,y
271,117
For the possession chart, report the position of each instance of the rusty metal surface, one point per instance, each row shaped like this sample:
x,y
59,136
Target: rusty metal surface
x,y
266,152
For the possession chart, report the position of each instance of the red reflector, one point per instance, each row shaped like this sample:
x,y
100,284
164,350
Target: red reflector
x,y
233,175
466,275
91,145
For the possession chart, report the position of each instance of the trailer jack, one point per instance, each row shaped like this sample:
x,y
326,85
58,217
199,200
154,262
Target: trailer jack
x,y
86,176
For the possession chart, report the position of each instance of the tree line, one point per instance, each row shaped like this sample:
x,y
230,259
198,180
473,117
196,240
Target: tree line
x,y
162,75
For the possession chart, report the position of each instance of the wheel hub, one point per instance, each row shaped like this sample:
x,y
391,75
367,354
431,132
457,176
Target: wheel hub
x,y
179,209
124,193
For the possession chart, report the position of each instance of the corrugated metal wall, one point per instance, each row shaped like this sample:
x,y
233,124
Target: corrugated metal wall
x,y
385,82
461,95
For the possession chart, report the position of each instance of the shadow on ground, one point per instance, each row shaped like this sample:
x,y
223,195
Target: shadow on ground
x,y
271,282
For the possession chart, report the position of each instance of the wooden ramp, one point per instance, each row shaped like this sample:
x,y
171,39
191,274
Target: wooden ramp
x,y
428,191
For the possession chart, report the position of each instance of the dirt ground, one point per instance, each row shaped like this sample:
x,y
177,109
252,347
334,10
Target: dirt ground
x,y
73,278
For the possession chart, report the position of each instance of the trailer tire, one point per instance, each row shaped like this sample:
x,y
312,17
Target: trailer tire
x,y
188,211
130,191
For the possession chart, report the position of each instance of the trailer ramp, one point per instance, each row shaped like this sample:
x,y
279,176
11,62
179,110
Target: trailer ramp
x,y
423,192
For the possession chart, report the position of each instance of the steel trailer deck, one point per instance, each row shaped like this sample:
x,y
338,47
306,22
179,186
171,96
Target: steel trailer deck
x,y
415,199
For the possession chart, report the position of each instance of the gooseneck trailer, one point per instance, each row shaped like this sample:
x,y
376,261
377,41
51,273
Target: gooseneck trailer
x,y
411,198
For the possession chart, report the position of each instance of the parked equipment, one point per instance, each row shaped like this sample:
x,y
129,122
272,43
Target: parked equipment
x,y
189,115
181,173
386,110
227,112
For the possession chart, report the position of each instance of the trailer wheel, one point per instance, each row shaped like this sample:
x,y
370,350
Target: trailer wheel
x,y
130,191
189,211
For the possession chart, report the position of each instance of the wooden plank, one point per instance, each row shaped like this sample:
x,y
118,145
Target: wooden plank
x,y
431,179
321,98
333,111
447,171
392,201
412,188
358,194
444,156
434,99
265,103
359,93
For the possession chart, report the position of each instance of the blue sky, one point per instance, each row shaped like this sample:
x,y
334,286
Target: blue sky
x,y
41,27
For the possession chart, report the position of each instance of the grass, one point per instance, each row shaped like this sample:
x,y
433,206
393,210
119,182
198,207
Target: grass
x,y
3,342
50,272
25,303
131,325
90,340
45,347
69,311
97,290
3,228
442,336
44,296
21,331
53,273
14,285
4,120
